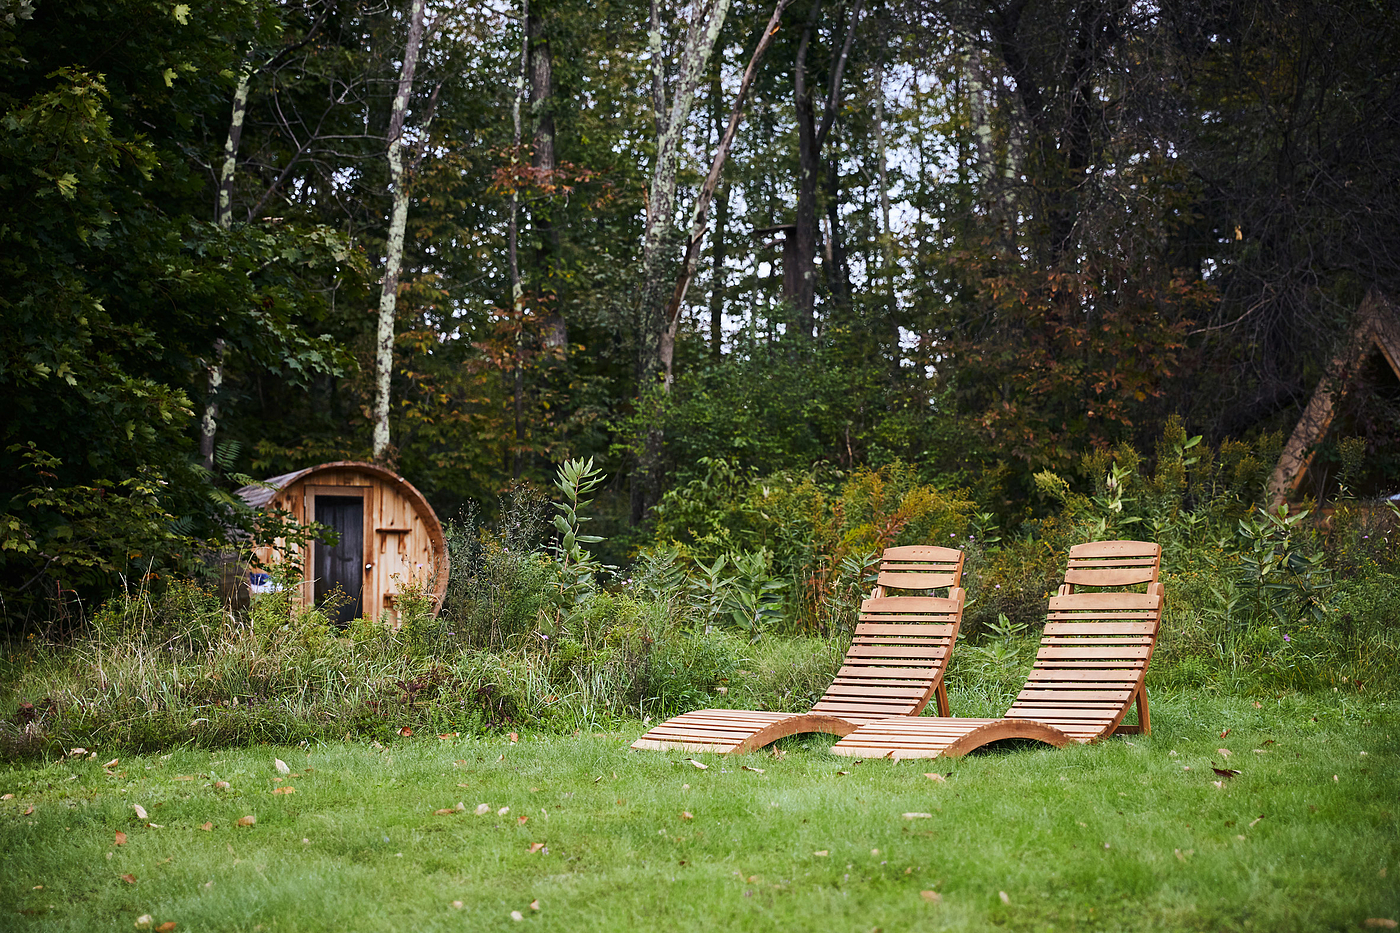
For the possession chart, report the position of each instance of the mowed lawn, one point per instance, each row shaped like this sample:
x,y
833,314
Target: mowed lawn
x,y
1133,834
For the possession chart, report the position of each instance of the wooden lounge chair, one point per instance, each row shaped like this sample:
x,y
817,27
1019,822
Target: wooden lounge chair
x,y
1089,670
894,666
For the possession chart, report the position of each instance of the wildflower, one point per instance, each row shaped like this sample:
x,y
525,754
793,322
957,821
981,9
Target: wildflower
x,y
1285,637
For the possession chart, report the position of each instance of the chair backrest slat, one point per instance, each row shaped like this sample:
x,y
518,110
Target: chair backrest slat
x,y
918,567
901,644
1112,563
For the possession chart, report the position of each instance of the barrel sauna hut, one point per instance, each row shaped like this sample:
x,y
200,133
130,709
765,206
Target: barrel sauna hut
x,y
387,534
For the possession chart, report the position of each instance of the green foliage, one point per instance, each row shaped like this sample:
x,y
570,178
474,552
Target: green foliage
x,y
114,291
578,568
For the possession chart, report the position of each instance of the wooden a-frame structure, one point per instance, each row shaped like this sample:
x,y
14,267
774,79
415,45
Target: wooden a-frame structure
x,y
1378,327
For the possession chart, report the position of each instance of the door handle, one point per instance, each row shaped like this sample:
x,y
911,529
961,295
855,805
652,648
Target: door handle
x,y
369,567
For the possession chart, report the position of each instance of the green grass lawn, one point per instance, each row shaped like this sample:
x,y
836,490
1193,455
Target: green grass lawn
x,y
1130,835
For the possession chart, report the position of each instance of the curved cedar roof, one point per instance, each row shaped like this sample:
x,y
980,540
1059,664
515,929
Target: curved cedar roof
x,y
260,494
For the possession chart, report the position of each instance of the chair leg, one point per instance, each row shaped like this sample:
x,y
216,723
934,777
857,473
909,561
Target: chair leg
x,y
1144,724
940,696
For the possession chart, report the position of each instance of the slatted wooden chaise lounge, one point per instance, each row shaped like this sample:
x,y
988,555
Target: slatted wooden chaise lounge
x,y
1088,672
894,665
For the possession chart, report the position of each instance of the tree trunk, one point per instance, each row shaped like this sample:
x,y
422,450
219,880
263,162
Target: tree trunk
x,y
717,282
656,338
398,222
517,291
707,190
804,236
223,216
658,342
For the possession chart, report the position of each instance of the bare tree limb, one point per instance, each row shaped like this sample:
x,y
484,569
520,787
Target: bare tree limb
x,y
707,190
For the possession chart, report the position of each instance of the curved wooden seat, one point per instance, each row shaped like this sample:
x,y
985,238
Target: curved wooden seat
x,y
893,667
1088,671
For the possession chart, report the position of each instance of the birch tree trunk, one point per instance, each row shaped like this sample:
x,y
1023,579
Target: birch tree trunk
x,y
517,290
223,216
707,191
658,344
398,221
656,340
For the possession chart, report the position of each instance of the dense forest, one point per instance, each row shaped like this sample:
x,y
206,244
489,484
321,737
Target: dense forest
x,y
963,242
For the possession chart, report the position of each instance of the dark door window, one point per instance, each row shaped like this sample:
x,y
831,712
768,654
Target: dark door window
x,y
341,567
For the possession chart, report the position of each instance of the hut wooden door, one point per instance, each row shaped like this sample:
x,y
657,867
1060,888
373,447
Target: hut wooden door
x,y
341,566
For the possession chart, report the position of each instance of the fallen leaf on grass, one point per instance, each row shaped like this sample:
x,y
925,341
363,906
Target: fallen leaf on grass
x,y
1224,772
221,785
699,764
145,920
112,764
933,897
482,809
918,816
129,879
935,776
503,811
1219,784
520,821
445,811
1254,822
207,827
284,790
7,797
28,811
449,735
514,737
1258,705
779,754
1223,752
141,813
597,779
248,820
1004,898
281,766
406,732
535,905
166,927
753,769
457,905
183,777
842,772
155,825
1383,923
121,838
1224,732
536,847
822,853
516,915
686,815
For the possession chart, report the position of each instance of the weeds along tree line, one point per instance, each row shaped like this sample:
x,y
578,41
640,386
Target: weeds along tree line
x,y
749,604
802,279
